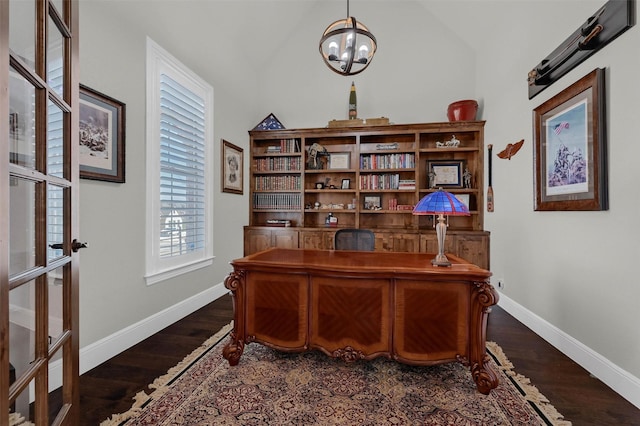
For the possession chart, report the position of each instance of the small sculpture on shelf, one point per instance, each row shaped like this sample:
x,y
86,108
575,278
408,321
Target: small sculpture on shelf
x,y
432,178
316,152
453,143
466,178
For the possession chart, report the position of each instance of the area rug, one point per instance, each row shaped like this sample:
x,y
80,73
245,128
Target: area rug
x,y
269,387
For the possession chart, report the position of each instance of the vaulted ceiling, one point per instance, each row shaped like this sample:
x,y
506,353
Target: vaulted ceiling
x,y
255,29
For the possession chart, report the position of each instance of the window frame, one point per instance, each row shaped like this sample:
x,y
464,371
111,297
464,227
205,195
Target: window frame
x,y
158,269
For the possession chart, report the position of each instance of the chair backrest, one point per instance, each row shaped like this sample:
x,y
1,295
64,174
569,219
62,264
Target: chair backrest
x,y
354,239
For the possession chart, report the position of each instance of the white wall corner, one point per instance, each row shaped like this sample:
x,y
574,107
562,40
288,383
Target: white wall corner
x,y
624,383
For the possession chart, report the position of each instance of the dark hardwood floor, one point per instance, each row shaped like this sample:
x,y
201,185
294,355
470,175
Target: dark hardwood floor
x,y
582,399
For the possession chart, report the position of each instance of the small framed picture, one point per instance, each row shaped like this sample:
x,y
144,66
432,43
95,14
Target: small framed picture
x,y
346,183
445,173
102,132
232,168
372,202
339,160
463,198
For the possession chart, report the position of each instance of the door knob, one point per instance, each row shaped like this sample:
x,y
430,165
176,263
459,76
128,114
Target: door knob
x,y
77,245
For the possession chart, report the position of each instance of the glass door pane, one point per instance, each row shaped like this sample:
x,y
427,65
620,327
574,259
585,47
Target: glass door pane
x,y
20,410
22,327
22,254
55,134
55,57
22,125
22,31
56,305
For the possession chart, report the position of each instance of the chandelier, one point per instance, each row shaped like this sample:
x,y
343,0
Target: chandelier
x,y
347,46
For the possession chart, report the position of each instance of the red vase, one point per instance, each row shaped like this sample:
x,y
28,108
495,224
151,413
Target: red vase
x,y
465,110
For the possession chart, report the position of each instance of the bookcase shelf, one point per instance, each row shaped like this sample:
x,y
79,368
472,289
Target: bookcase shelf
x,y
386,172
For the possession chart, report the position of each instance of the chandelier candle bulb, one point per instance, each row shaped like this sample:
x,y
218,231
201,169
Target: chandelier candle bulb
x,y
353,102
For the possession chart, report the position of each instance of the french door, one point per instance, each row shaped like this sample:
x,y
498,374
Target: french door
x,y
38,212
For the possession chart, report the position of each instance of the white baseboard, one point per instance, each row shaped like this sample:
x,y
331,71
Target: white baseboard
x,y
621,381
98,352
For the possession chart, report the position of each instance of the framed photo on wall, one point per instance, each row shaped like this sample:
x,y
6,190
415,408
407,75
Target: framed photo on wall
x,y
102,131
570,148
232,168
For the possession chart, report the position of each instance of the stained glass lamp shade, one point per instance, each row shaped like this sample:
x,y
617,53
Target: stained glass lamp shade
x,y
441,203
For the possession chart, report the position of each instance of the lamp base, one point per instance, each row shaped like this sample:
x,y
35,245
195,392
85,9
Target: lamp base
x,y
440,260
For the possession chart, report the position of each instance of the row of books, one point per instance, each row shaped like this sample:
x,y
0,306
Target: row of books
x,y
278,183
393,205
285,145
277,201
387,161
276,164
375,182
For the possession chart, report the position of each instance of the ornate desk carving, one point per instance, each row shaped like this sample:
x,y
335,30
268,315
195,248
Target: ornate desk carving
x,y
361,305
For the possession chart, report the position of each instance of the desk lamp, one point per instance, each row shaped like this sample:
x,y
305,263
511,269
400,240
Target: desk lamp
x,y
441,203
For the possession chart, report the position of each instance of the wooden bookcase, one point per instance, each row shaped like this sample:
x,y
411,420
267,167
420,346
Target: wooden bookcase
x,y
371,178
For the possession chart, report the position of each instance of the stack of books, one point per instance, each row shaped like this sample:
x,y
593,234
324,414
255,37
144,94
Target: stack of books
x,y
407,184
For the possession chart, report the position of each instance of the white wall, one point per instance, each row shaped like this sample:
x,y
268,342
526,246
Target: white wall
x,y
113,293
574,271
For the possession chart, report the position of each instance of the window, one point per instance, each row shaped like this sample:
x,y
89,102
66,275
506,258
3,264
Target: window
x,y
179,167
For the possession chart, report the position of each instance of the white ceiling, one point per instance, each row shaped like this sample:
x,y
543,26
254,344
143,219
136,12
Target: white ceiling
x,y
256,28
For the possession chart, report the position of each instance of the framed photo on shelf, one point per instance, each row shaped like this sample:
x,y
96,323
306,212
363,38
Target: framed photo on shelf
x,y
102,131
232,167
570,148
464,199
346,183
445,173
372,202
339,160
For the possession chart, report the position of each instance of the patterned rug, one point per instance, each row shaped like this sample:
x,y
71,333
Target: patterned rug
x,y
269,387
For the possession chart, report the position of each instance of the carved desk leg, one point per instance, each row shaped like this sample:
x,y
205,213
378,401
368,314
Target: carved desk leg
x,y
483,297
233,350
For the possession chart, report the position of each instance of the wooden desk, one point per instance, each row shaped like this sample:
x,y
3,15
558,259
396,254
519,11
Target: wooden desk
x,y
361,305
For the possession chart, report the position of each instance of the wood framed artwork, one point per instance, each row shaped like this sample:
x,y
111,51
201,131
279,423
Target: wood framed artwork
x,y
102,132
372,202
570,148
339,160
445,173
232,168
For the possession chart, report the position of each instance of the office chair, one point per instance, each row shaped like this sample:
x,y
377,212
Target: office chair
x,y
354,239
